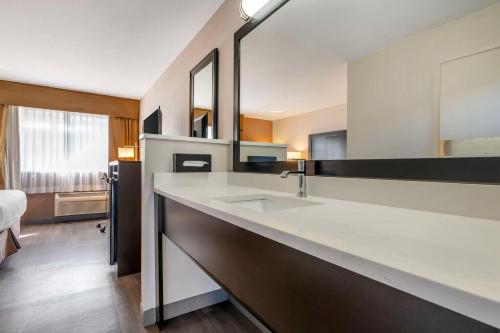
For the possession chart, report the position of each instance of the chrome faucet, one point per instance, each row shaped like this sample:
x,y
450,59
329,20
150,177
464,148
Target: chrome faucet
x,y
301,173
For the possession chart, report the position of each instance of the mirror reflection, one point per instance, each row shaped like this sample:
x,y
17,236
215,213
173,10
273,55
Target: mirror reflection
x,y
342,79
204,98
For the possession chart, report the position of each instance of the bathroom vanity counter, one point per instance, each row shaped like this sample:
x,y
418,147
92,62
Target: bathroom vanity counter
x,y
452,261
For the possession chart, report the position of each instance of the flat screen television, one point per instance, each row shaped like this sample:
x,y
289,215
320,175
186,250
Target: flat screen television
x,y
152,123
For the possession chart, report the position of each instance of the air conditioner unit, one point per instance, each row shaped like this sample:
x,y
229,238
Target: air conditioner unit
x,y
77,203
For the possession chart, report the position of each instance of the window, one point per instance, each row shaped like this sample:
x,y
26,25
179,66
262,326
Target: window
x,y
328,146
62,151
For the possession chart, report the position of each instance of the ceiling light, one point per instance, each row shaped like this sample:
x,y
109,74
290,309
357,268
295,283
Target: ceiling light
x,y
248,8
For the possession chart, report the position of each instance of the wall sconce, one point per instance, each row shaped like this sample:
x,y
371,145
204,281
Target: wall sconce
x,y
294,155
248,8
126,153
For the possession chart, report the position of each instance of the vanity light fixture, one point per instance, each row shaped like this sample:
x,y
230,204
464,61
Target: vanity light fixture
x,y
248,8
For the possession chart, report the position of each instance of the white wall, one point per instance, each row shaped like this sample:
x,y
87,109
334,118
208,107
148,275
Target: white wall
x,y
157,156
295,130
391,94
171,90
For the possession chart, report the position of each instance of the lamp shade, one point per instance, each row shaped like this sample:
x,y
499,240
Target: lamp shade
x,y
126,152
294,155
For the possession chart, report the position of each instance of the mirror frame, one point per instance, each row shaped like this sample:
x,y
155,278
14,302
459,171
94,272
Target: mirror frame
x,y
478,170
212,57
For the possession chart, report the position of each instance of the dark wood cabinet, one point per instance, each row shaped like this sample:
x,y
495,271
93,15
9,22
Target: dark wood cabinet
x,y
291,291
125,217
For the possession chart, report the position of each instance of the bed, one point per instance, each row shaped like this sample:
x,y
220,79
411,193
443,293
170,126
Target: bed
x,y
12,207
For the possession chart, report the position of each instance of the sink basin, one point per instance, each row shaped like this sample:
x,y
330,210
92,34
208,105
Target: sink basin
x,y
266,202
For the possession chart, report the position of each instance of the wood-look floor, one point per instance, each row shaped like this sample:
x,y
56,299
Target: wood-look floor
x,y
60,281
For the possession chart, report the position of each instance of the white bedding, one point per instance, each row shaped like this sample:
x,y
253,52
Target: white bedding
x,y
12,207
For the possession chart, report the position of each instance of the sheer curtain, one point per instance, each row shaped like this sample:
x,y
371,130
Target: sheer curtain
x,y
12,151
62,151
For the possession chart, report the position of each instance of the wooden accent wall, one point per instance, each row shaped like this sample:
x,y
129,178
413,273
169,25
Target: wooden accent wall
x,y
21,94
256,130
200,112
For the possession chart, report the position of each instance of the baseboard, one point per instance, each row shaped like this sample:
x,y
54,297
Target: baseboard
x,y
184,306
67,218
250,317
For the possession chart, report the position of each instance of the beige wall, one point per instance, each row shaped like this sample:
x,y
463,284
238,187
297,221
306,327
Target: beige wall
x,y
295,131
391,94
171,90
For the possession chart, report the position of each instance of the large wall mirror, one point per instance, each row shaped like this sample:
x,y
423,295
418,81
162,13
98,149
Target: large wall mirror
x,y
204,97
386,88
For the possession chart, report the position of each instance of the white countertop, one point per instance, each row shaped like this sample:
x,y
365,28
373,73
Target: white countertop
x,y
144,136
450,260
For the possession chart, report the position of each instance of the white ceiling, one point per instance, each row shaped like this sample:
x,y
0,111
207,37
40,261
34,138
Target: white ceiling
x,y
296,61
114,47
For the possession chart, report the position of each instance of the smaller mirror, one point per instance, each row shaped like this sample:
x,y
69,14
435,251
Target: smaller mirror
x,y
203,97
470,104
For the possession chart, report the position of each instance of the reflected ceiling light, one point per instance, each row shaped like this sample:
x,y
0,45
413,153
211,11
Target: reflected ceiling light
x,y
28,235
248,8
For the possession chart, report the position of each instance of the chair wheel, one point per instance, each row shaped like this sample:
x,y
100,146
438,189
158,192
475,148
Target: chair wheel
x,y
98,225
103,229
